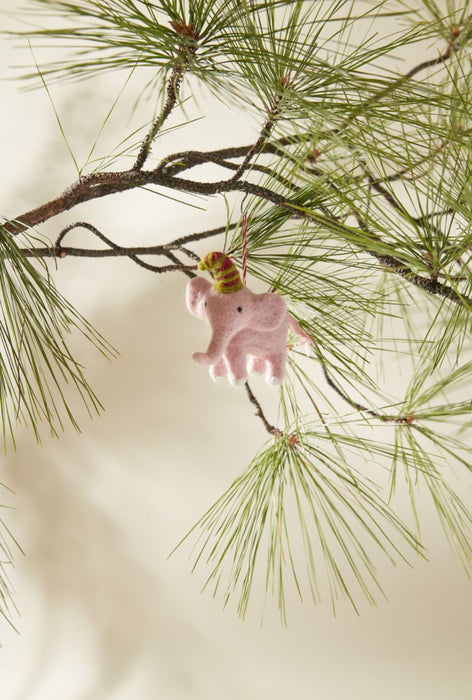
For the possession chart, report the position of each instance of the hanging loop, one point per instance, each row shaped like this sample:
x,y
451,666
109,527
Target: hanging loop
x,y
244,239
244,246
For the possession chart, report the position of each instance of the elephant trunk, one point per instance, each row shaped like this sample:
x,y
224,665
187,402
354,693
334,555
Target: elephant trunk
x,y
216,347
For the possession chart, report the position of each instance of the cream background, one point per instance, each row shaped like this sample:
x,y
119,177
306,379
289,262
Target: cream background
x,y
104,614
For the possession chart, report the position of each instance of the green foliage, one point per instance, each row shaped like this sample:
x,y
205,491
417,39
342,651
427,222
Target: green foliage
x,y
36,363
120,34
7,547
297,500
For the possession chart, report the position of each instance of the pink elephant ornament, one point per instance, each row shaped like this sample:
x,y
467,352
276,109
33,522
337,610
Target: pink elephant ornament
x,y
249,331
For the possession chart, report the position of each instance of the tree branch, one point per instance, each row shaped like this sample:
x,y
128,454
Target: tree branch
x,y
103,184
266,131
192,159
430,285
58,250
385,418
173,90
259,413
453,45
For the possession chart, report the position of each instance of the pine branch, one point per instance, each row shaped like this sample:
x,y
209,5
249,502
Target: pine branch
x,y
453,45
273,115
60,251
104,184
384,418
271,429
173,90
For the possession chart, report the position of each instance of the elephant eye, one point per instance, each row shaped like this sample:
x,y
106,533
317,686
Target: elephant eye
x,y
240,308
206,303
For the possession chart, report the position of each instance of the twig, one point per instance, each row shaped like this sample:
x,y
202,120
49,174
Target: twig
x,y
186,269
260,414
428,284
354,404
173,87
188,252
200,235
442,58
427,159
266,131
380,188
173,90
424,65
175,163
195,158
61,252
424,218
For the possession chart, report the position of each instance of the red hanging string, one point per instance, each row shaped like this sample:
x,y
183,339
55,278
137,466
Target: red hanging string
x,y
244,244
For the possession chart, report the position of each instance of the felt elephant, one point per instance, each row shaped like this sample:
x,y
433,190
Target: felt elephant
x,y
249,331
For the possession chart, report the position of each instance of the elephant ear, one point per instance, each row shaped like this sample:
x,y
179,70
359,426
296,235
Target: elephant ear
x,y
197,290
269,312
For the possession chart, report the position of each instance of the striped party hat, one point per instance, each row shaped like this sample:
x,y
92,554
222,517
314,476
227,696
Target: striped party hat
x,y
223,271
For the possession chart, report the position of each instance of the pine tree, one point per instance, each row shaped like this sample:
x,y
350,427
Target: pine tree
x,y
358,198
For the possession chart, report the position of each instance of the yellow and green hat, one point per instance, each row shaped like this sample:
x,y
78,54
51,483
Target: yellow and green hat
x,y
223,270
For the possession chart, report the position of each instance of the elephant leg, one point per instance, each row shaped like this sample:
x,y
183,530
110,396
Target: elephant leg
x,y
256,365
276,368
219,370
236,361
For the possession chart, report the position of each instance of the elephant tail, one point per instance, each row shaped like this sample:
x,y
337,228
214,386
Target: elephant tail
x,y
224,272
298,330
